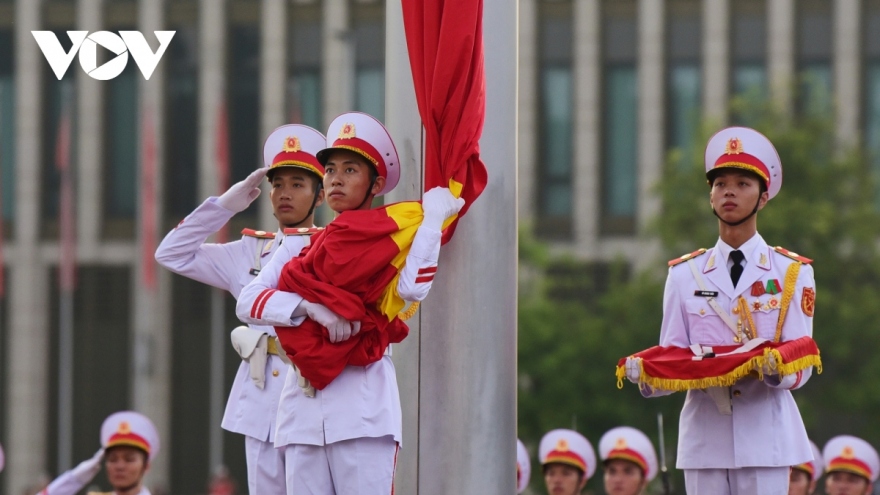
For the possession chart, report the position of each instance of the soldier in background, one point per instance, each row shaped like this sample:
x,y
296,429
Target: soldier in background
x,y
129,442
568,461
853,466
805,477
629,461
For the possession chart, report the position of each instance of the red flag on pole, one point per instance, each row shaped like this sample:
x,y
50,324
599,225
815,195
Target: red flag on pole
x,y
445,43
66,207
222,161
148,199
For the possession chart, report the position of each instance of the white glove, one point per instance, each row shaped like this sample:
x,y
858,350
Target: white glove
x,y
338,327
85,471
633,369
238,197
768,368
438,205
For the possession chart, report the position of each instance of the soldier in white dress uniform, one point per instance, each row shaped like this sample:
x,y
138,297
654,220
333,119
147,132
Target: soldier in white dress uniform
x,y
805,476
568,461
628,459
344,439
295,176
853,466
739,440
129,442
523,467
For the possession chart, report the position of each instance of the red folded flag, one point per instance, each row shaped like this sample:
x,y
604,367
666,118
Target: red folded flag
x,y
352,268
673,368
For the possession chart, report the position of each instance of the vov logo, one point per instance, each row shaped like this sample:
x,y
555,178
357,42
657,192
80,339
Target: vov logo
x,y
87,45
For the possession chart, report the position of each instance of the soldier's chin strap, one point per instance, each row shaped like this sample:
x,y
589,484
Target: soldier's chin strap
x,y
311,209
370,188
734,224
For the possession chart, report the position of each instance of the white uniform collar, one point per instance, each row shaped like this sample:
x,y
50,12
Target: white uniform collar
x,y
723,250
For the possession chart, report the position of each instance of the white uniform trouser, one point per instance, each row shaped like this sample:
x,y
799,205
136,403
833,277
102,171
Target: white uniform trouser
x,y
265,467
743,481
360,466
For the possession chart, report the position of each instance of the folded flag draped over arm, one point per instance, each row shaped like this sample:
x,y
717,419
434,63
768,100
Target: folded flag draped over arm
x,y
445,43
351,267
674,368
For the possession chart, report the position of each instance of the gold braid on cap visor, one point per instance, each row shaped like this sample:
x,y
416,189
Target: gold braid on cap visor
x,y
297,163
744,166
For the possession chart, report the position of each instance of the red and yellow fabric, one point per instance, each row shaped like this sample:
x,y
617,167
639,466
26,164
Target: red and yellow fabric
x,y
672,368
445,44
128,438
352,267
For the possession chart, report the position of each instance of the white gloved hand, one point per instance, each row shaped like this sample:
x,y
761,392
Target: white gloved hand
x,y
633,369
238,197
338,327
85,471
438,205
768,368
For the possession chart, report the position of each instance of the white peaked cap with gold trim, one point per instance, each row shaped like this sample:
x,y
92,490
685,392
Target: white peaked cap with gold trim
x,y
523,467
629,444
131,429
852,455
568,447
366,136
294,145
744,148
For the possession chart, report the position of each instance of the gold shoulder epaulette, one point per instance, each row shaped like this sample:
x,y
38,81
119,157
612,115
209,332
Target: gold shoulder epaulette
x,y
303,231
785,252
260,234
686,257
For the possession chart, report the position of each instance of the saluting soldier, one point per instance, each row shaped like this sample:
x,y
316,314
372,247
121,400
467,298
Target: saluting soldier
x,y
523,467
743,439
568,461
853,466
629,461
805,477
129,442
295,177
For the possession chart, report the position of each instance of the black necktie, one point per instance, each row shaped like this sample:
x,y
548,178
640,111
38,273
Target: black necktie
x,y
737,269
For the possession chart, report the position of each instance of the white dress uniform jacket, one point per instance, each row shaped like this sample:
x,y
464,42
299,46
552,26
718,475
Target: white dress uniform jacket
x,y
249,410
363,401
765,429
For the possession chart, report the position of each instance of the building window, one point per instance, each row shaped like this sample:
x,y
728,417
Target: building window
x,y
872,86
7,131
620,117
814,51
59,98
181,124
368,26
748,49
121,152
556,99
684,43
304,61
243,103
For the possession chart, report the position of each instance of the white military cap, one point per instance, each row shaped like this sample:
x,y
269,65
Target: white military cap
x,y
132,429
815,467
294,145
523,467
853,455
568,447
366,136
745,149
629,444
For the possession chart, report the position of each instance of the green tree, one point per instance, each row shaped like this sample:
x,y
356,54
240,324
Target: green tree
x,y
826,210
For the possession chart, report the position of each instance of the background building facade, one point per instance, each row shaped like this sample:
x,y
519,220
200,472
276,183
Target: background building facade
x,y
608,88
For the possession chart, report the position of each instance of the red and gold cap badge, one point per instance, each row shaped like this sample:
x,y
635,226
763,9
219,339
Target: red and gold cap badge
x,y
347,131
291,144
734,146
